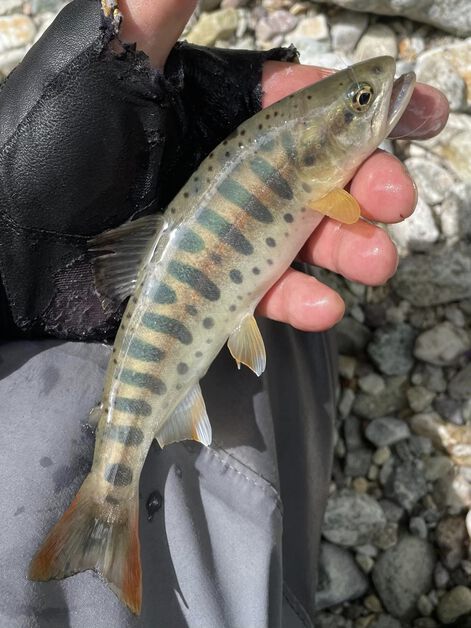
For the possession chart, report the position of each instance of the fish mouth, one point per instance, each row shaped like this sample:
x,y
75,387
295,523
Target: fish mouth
x,y
400,96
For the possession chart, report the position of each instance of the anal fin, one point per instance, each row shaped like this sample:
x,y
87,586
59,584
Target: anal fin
x,y
118,255
247,347
189,421
338,204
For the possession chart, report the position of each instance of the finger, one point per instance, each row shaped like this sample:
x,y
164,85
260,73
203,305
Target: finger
x,y
361,252
384,188
303,302
424,117
155,26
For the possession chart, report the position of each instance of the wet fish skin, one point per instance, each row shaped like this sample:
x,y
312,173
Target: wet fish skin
x,y
229,234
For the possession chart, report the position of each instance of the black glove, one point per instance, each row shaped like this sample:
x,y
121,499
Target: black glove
x,y
90,137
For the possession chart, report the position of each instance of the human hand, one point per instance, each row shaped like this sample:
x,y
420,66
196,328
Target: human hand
x,y
360,252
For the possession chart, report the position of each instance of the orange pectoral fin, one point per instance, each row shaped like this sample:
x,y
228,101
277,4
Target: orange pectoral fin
x,y
338,204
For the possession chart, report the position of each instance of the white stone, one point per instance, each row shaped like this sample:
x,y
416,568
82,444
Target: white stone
x,y
433,181
312,27
372,384
16,31
378,40
442,345
212,26
346,28
419,232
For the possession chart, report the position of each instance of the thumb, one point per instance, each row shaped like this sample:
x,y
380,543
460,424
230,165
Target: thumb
x,y
154,26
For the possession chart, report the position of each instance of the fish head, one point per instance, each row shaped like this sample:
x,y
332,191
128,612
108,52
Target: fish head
x,y
351,113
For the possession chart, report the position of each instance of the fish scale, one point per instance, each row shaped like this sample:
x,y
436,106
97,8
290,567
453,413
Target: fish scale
x,y
196,279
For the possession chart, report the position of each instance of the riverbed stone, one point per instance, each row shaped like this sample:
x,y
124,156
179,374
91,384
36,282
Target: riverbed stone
x,y
386,431
391,348
221,24
454,604
378,40
15,31
390,401
352,519
340,579
403,573
460,385
442,345
417,233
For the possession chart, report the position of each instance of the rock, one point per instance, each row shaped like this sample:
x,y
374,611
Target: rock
x,y
442,345
352,433
451,535
276,23
441,577
449,409
372,384
433,181
314,27
455,315
347,366
460,385
386,431
381,455
437,467
393,512
330,620
424,606
454,604
360,485
378,40
346,402
366,563
391,348
402,574
448,68
451,15
455,439
419,398
16,31
352,519
385,621
455,218
425,622
352,337
357,463
387,537
340,579
419,232
406,485
372,603
346,28
220,24
418,527
441,276
390,401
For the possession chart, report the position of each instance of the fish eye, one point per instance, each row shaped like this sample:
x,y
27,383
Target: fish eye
x,y
361,96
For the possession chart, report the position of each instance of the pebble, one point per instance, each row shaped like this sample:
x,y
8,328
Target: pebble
x,y
346,402
455,219
390,401
347,366
442,275
352,433
352,519
10,6
393,511
221,24
381,455
441,577
276,23
424,606
16,31
437,467
460,385
402,574
357,463
454,604
378,40
366,563
352,336
407,484
385,621
387,536
314,27
433,181
455,439
391,348
386,431
346,28
442,345
451,535
419,232
420,398
373,604
372,384
418,527
339,578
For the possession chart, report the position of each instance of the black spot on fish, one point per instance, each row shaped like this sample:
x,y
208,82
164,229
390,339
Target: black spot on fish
x,y
192,311
217,259
307,188
196,279
309,159
198,354
255,270
270,242
128,315
208,322
45,462
153,504
348,116
182,368
288,218
118,474
236,276
270,262
112,500
166,325
233,308
209,341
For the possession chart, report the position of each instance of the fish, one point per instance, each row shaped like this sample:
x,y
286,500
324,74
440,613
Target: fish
x,y
194,276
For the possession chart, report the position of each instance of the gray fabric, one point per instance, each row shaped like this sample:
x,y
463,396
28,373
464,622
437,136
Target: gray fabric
x,y
214,555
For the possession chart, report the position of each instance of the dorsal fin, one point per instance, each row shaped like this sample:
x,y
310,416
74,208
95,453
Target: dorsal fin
x,y
118,255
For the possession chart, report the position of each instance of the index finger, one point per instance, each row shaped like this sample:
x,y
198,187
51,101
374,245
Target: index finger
x,y
425,116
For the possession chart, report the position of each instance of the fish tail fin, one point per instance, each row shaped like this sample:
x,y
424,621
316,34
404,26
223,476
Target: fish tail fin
x,y
100,535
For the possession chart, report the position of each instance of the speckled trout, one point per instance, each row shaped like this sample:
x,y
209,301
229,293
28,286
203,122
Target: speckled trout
x,y
195,276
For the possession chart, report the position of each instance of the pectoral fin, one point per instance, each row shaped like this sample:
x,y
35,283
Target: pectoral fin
x,y
338,204
119,253
246,345
189,421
